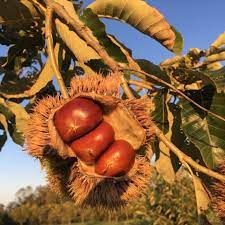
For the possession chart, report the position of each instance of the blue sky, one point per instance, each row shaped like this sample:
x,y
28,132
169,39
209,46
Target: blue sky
x,y
200,22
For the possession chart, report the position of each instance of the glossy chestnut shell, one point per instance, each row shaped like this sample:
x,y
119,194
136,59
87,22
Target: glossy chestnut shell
x,y
90,146
117,160
76,118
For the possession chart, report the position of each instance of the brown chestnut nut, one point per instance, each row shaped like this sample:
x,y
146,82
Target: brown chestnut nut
x,y
89,147
76,118
117,160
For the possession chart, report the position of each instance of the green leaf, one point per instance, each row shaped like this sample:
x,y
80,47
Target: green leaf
x,y
14,11
151,68
16,117
141,16
127,52
166,164
179,41
77,45
4,128
205,131
218,77
160,113
98,30
190,76
28,87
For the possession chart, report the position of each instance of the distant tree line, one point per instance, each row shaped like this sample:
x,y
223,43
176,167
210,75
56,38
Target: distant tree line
x,y
164,205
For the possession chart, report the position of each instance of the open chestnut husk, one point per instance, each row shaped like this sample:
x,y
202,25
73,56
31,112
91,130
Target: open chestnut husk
x,y
77,174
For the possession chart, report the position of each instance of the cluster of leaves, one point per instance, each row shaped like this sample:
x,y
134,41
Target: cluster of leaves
x,y
27,75
164,204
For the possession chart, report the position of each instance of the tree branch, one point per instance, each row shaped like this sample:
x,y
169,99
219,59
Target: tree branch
x,y
186,159
142,84
86,34
49,41
176,90
126,87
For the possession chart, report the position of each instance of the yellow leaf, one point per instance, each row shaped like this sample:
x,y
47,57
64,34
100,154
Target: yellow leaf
x,y
220,41
202,197
140,15
78,46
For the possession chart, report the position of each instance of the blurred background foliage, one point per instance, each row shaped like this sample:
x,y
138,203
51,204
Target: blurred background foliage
x,y
165,204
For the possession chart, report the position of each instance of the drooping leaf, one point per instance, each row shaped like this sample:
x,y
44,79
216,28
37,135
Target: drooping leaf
x,y
179,139
98,29
202,200
205,131
179,41
141,16
17,11
167,116
164,120
201,194
160,114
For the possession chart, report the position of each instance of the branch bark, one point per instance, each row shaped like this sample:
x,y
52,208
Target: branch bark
x,y
186,159
176,90
49,41
86,34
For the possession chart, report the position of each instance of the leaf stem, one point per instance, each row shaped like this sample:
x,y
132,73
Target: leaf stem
x,y
176,90
142,84
49,41
126,87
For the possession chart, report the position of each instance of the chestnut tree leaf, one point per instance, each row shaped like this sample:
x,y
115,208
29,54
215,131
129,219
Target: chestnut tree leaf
x,y
215,57
78,46
3,130
141,16
206,132
201,194
218,77
16,117
17,11
28,87
219,42
153,69
98,29
164,120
